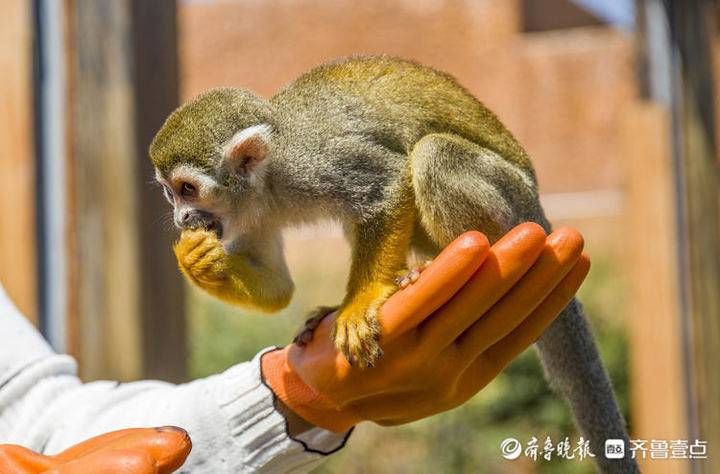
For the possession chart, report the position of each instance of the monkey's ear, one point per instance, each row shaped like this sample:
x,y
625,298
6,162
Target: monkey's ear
x,y
246,151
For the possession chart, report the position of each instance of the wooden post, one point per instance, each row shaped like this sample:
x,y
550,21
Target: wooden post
x,y
162,301
106,199
129,297
677,73
18,243
698,190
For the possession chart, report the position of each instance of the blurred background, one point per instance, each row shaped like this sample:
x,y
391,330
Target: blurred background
x,y
614,100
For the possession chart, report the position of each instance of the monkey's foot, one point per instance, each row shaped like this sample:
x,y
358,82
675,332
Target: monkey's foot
x,y
406,278
305,334
357,330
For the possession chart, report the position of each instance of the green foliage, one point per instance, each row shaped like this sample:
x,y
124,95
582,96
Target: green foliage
x,y
517,404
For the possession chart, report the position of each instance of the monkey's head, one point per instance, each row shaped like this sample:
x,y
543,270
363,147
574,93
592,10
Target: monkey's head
x,y
210,157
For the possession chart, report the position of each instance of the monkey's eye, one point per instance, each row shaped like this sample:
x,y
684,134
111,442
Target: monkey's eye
x,y
187,190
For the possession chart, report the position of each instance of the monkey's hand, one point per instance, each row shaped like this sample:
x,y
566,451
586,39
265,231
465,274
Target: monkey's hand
x,y
230,277
357,332
202,259
312,321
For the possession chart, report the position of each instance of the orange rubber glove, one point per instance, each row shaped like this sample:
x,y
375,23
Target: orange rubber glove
x,y
444,338
130,451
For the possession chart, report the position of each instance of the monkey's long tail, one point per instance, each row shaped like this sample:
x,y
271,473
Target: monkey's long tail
x,y
574,368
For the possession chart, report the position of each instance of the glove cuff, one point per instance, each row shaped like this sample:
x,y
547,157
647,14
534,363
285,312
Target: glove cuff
x,y
302,399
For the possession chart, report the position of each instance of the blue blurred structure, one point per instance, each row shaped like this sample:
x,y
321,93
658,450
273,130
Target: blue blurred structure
x,y
617,12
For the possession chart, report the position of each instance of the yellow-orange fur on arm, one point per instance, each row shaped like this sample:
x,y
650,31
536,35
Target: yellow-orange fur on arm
x,y
379,255
232,278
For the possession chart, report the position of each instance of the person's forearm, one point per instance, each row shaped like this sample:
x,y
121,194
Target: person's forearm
x,y
231,418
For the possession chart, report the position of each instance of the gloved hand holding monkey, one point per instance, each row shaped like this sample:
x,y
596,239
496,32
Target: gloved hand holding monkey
x,y
444,338
405,159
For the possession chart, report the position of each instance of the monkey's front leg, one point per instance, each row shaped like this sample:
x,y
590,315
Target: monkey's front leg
x,y
379,254
403,279
260,282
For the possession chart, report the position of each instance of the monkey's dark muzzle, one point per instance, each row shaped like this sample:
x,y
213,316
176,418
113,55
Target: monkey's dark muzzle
x,y
197,219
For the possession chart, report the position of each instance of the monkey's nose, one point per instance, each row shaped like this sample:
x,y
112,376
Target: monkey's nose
x,y
182,219
193,218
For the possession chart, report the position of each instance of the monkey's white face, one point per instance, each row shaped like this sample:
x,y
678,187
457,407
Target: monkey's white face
x,y
195,198
200,200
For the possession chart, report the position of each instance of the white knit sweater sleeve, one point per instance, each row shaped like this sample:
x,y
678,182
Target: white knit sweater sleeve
x,y
231,417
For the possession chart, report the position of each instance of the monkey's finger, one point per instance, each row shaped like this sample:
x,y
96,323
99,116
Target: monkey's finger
x,y
189,239
206,250
437,284
411,276
509,259
491,362
561,252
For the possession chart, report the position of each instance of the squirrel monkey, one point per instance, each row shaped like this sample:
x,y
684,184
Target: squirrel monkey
x,y
402,156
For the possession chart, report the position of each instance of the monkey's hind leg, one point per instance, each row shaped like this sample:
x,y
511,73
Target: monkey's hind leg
x,y
459,186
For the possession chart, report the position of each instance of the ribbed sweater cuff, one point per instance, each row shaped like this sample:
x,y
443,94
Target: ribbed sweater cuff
x,y
261,430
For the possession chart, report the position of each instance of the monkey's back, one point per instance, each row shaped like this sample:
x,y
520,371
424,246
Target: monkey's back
x,y
394,102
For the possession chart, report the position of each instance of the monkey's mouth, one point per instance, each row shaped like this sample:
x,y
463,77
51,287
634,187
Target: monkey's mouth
x,y
215,226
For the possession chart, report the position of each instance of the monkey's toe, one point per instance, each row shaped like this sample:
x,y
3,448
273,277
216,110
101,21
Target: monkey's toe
x,y
305,334
407,278
359,340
